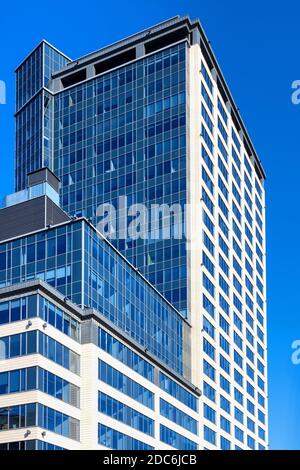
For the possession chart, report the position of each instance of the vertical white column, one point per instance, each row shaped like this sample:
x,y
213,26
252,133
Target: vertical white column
x,y
194,232
89,396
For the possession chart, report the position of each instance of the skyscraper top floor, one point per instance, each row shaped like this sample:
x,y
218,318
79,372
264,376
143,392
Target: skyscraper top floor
x,y
48,67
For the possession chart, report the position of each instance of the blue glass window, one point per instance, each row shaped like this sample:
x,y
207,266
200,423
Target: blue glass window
x,y
176,440
116,440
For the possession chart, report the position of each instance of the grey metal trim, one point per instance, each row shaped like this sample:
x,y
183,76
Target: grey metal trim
x,y
125,43
88,79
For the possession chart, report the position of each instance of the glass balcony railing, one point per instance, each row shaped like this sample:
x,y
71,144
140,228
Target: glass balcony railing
x,y
43,189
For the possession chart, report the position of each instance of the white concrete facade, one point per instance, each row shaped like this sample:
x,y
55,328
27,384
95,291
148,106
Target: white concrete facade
x,y
247,334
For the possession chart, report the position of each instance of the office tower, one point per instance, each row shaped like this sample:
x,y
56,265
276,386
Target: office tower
x,y
151,119
81,332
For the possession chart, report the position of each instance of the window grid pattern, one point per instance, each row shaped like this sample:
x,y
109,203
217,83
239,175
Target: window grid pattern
x,y
36,342
31,444
124,384
124,134
122,353
177,416
233,275
118,292
109,285
36,378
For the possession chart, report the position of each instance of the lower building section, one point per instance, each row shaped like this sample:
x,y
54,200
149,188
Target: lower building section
x,y
70,379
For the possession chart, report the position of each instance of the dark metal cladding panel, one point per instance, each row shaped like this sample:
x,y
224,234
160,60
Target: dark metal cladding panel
x,y
22,218
53,180
29,216
43,176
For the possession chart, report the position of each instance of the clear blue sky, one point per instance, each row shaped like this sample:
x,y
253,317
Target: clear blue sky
x,y
257,45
